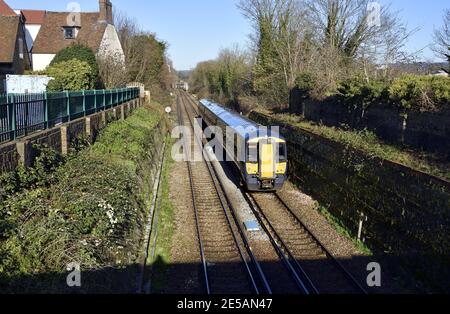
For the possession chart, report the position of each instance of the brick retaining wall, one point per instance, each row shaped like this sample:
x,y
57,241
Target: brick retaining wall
x,y
405,213
60,137
421,130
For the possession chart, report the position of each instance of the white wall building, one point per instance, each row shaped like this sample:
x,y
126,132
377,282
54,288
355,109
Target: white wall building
x,y
33,22
60,30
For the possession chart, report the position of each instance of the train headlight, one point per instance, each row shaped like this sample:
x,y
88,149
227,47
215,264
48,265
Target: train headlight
x,y
281,168
252,168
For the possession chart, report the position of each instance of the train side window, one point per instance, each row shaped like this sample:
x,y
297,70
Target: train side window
x,y
252,152
282,152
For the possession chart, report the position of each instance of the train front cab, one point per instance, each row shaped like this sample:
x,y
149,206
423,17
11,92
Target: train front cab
x,y
266,164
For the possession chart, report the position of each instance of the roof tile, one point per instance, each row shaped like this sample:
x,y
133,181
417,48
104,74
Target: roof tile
x,y
50,39
9,26
6,10
34,16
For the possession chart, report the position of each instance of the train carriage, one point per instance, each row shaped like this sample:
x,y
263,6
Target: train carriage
x,y
259,153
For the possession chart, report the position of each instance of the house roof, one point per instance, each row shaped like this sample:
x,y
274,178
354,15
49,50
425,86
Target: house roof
x,y
34,16
9,26
50,39
5,10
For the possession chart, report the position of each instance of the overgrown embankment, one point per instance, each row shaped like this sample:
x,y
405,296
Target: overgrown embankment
x,y
404,212
411,110
89,208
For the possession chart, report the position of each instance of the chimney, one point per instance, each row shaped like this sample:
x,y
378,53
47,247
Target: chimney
x,y
106,15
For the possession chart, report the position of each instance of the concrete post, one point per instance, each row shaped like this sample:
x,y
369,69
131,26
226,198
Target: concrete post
x,y
104,122
122,112
24,151
65,140
89,131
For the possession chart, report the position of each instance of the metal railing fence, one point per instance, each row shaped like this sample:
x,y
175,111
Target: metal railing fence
x,y
23,114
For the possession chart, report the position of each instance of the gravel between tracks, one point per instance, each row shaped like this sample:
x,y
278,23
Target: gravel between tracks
x,y
184,275
339,245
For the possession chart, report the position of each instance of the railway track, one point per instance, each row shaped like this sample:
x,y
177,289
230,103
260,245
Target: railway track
x,y
319,271
289,270
228,264
311,266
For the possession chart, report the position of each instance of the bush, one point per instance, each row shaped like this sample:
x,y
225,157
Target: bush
x,y
93,211
40,175
81,53
306,82
361,93
70,75
423,93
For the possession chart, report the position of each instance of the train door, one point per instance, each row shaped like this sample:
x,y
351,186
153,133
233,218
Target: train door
x,y
267,164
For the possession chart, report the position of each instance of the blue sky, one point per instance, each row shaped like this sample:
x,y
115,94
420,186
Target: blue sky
x,y
197,29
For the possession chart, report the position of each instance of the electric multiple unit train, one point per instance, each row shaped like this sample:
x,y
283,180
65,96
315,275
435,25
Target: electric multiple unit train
x,y
260,154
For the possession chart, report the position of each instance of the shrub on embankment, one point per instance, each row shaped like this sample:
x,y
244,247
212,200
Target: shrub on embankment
x,y
411,110
405,213
89,209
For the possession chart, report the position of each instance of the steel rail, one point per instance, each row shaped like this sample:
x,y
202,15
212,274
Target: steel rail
x,y
300,277
224,209
214,180
253,258
281,250
194,203
338,264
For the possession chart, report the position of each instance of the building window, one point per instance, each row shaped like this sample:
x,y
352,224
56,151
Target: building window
x,y
70,32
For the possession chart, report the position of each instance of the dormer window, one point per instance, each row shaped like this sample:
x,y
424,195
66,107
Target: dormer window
x,y
70,32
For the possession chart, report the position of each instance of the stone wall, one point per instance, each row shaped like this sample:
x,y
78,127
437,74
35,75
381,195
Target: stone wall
x,y
427,131
405,213
61,137
9,158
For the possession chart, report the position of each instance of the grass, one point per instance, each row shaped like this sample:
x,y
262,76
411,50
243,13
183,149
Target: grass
x,y
369,143
341,229
127,141
162,259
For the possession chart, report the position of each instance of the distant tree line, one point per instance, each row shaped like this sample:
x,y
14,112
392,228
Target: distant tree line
x,y
316,47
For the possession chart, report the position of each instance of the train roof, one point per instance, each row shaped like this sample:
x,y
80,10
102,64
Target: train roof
x,y
241,125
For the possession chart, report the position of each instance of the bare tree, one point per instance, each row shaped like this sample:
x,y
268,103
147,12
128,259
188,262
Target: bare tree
x,y
128,29
112,71
344,25
288,40
385,44
279,30
145,56
442,38
260,13
341,24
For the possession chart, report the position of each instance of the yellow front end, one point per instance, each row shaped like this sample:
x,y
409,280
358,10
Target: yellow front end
x,y
267,161
266,165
